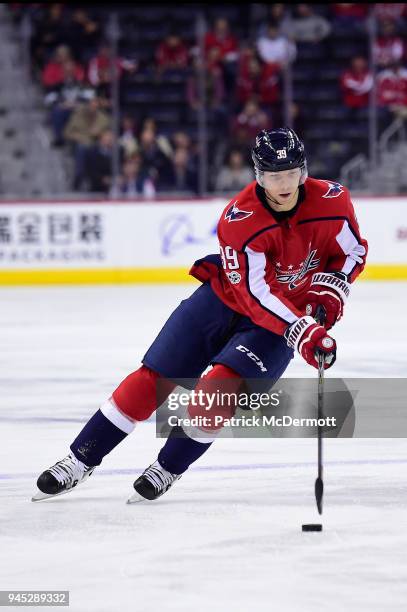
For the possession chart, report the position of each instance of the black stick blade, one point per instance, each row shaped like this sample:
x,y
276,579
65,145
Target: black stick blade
x,y
319,492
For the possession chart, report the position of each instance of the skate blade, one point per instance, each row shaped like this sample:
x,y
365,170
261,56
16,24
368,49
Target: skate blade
x,y
136,498
40,496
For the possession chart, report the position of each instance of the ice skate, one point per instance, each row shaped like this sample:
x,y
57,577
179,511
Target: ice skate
x,y
153,483
62,478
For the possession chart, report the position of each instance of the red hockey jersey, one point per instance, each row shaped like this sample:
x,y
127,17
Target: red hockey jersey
x,y
268,259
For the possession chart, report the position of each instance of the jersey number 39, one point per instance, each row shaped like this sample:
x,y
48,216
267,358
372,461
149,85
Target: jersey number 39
x,y
229,257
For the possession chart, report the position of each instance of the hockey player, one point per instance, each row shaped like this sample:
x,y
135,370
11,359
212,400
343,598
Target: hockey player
x,y
289,245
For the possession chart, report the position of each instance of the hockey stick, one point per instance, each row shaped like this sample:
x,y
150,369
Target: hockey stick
x,y
319,483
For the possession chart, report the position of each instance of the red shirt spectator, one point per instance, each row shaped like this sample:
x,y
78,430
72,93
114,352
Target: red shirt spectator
x,y
214,59
389,47
249,122
350,10
246,55
393,11
270,84
54,72
99,69
172,53
214,87
221,38
356,82
392,86
260,81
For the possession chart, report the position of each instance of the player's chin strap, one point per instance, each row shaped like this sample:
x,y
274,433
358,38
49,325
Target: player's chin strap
x,y
334,280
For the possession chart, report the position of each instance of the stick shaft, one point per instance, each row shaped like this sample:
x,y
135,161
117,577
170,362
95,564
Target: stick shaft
x,y
319,483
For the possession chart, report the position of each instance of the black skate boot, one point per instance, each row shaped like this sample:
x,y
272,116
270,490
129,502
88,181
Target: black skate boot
x,y
62,477
153,483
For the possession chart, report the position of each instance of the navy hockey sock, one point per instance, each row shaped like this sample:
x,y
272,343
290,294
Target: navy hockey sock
x,y
180,451
101,435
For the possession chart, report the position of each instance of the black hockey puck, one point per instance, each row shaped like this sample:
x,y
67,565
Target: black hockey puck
x,y
312,527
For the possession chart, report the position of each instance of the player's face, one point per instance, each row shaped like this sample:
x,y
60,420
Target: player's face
x,y
282,186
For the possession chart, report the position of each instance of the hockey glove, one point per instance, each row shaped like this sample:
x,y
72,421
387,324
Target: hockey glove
x,y
309,338
330,291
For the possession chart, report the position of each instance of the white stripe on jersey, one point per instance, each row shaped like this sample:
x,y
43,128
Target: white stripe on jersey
x,y
260,289
351,247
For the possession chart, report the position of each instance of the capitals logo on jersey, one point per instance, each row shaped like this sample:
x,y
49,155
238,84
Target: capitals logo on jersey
x,y
234,213
334,190
295,278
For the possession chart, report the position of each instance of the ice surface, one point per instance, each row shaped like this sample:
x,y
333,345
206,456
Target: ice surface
x,y
228,536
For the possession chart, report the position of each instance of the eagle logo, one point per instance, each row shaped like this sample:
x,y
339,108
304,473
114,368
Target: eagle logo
x,y
234,213
295,278
334,190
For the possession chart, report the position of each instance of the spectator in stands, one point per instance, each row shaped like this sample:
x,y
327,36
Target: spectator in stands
x,y
185,171
185,162
393,11
49,33
263,15
275,48
260,81
64,98
213,60
101,66
84,35
222,38
214,90
162,141
181,140
227,49
155,163
297,119
133,181
278,17
356,83
349,16
247,53
235,175
392,92
249,122
172,54
99,163
308,27
128,136
248,80
83,129
389,46
53,74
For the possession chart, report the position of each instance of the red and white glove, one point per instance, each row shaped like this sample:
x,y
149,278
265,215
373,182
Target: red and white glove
x,y
309,338
329,290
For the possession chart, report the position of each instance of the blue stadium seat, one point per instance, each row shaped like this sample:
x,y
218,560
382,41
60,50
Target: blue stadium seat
x,y
153,32
164,114
329,73
309,51
355,131
348,49
229,11
321,132
152,14
170,93
301,92
328,91
303,73
336,112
